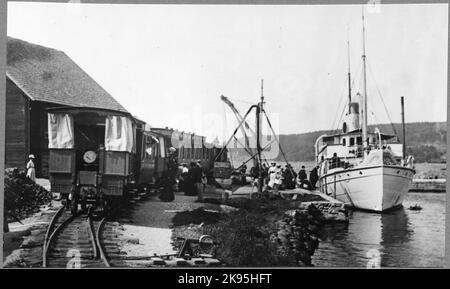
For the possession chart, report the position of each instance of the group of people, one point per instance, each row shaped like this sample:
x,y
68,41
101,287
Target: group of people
x,y
192,180
275,177
304,182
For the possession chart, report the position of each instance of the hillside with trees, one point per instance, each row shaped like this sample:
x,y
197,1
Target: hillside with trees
x,y
427,141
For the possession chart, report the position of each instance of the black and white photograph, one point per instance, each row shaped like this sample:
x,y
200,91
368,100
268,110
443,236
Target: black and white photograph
x,y
225,136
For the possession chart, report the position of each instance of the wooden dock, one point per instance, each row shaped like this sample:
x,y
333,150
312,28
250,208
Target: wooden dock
x,y
428,185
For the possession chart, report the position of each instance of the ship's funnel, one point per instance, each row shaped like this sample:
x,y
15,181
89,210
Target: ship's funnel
x,y
351,120
354,108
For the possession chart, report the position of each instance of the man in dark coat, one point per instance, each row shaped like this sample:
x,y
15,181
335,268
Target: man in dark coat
x,y
190,181
169,177
197,178
303,178
289,177
335,161
313,177
302,174
183,177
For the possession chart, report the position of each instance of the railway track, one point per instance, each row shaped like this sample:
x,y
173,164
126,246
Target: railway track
x,y
74,242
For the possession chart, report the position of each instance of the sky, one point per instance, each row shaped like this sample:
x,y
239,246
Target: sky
x,y
169,64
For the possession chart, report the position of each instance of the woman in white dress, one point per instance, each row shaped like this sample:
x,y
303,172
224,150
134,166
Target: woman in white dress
x,y
278,178
31,172
272,175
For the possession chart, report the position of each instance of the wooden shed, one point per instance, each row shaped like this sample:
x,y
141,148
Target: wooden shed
x,y
38,78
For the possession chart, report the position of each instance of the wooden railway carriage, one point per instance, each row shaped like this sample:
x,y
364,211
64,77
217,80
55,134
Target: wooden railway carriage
x,y
151,157
192,148
92,154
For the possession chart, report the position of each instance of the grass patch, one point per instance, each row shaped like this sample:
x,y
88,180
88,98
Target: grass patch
x,y
250,236
196,216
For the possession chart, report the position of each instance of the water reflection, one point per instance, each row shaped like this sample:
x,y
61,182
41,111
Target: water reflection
x,y
395,227
403,238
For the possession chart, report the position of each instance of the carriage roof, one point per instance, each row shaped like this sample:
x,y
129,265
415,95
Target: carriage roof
x,y
98,111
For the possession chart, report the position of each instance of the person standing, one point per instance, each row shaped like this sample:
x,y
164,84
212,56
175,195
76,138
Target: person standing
x,y
183,177
198,174
265,176
190,180
243,172
170,177
313,177
289,177
302,176
272,175
278,178
31,172
335,161
204,182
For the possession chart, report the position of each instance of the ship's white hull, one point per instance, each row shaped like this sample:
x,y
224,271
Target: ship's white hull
x,y
375,188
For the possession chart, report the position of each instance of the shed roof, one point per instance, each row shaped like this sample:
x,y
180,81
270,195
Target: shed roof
x,y
46,74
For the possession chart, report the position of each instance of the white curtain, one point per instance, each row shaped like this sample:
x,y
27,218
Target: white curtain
x,y
162,147
119,135
60,131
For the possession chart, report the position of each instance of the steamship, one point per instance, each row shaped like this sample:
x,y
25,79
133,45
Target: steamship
x,y
366,170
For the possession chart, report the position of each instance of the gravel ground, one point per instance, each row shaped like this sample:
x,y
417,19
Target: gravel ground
x,y
22,246
147,227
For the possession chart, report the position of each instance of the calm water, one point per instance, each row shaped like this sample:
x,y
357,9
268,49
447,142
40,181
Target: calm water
x,y
403,238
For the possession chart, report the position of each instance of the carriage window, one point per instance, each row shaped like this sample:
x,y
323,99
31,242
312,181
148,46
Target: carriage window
x,y
359,140
150,151
352,141
344,141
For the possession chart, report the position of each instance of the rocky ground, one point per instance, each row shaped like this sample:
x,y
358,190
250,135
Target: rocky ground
x,y
22,246
286,231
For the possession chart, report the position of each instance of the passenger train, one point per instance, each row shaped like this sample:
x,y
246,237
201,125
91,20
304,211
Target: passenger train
x,y
97,156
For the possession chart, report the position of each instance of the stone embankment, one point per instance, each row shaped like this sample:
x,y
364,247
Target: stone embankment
x,y
332,212
298,233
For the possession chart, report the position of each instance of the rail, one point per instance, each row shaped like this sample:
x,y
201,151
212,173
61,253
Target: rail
x,y
57,227
101,251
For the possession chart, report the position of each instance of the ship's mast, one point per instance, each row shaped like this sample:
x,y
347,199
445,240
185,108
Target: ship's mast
x,y
403,128
259,110
364,100
349,75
